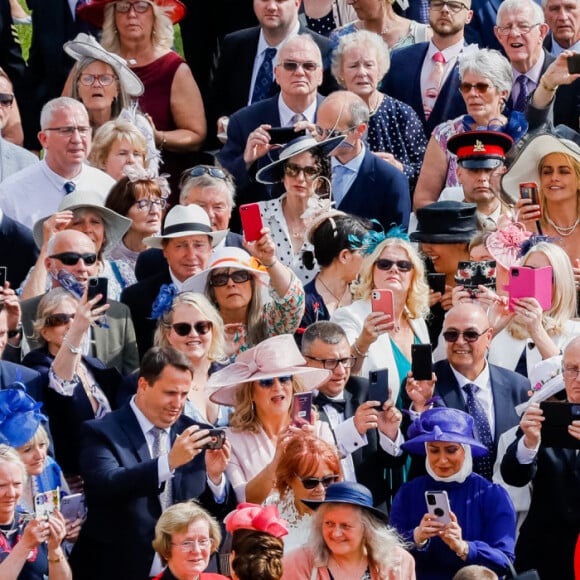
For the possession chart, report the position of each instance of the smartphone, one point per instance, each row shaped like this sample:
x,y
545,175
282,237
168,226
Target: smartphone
x,y
73,506
438,505
525,282
218,438
382,301
98,286
302,409
2,277
557,418
421,362
46,503
471,274
436,282
251,221
379,386
574,64
529,191
283,135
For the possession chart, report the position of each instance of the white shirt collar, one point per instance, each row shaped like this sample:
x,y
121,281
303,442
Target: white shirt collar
x,y
286,113
482,380
534,73
450,53
263,45
144,423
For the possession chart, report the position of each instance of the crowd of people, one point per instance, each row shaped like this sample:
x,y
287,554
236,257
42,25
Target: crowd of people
x,y
297,302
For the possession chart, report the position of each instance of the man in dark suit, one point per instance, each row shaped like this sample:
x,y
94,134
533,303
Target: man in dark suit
x,y
138,460
549,533
368,439
496,390
480,29
17,264
362,183
411,67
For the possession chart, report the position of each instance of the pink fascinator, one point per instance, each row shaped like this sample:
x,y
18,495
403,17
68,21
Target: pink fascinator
x,y
250,516
504,244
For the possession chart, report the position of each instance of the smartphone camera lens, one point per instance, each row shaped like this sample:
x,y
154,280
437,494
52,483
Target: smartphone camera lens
x,y
431,500
515,272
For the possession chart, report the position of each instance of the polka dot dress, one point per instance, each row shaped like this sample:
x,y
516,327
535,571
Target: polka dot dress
x,y
324,25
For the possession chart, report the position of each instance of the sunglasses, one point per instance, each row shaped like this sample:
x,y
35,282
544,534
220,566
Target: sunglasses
x,y
331,133
331,363
200,170
238,277
293,65
72,258
312,482
6,99
293,170
468,335
386,265
481,88
139,7
57,319
88,80
269,383
184,328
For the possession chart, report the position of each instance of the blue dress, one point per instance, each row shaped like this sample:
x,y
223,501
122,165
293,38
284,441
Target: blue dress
x,y
484,512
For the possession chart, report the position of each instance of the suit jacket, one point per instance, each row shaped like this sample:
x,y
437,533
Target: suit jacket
x,y
14,235
139,298
480,29
11,372
403,81
14,158
115,346
122,491
553,522
379,191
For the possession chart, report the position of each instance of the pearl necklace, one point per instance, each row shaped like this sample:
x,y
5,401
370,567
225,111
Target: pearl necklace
x,y
563,231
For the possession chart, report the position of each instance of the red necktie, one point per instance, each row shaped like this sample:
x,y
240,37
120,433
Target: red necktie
x,y
434,83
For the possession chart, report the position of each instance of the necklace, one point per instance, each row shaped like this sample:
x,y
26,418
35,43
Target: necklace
x,y
563,231
361,25
338,300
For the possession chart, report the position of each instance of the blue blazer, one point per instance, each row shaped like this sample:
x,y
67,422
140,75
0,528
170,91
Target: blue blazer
x,y
121,487
480,29
379,191
403,81
12,372
14,235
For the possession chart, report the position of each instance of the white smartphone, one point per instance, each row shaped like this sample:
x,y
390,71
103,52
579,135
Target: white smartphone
x,y
438,505
73,506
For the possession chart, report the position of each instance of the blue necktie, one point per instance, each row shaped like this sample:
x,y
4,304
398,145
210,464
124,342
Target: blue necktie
x,y
520,104
340,174
265,77
482,465
69,187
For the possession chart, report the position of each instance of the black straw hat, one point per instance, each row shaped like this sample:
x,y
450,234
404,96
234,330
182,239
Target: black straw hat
x,y
446,222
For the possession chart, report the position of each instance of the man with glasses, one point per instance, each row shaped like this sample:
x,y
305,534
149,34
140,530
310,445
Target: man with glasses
x,y
426,75
367,438
466,381
36,191
549,533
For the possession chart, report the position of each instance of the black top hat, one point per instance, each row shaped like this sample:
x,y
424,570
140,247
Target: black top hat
x,y
446,222
480,149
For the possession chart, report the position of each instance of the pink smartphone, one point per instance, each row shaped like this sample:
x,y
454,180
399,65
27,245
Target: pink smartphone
x,y
251,221
302,409
382,301
525,282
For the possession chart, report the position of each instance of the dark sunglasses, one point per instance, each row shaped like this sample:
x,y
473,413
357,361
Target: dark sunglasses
x,y
269,383
184,328
481,88
311,172
468,335
6,99
402,265
238,277
293,65
57,319
312,482
200,170
72,258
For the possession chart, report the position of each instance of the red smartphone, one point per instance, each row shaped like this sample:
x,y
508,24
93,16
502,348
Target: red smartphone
x,y
382,301
251,221
529,190
527,282
302,409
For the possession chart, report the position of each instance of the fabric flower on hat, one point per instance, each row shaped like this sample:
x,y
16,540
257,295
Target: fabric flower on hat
x,y
250,516
164,300
504,245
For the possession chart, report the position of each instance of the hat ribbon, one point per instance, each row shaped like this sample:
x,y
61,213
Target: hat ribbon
x,y
185,227
248,516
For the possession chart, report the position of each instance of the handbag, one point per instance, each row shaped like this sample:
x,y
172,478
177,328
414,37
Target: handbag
x,y
528,575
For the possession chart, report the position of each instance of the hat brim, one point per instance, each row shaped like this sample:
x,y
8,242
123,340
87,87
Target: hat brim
x,y
157,241
377,513
429,238
417,444
274,172
198,282
310,378
480,163
84,46
525,166
94,12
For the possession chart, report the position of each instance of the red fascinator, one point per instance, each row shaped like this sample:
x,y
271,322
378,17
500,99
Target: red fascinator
x,y
250,516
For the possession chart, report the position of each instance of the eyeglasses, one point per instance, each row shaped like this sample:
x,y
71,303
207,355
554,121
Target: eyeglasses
x,y
330,133
147,204
269,383
294,65
238,277
386,265
105,80
454,7
200,170
139,7
570,373
312,482
481,88
72,258
6,99
523,29
189,545
293,170
68,131
468,335
331,363
57,319
184,328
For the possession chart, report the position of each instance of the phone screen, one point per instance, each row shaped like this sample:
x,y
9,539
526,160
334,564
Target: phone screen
x,y
379,386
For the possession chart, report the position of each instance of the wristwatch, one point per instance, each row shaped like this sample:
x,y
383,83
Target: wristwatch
x,y
72,348
16,332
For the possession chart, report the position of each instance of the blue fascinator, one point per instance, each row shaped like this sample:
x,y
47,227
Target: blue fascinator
x,y
533,240
164,300
373,238
20,416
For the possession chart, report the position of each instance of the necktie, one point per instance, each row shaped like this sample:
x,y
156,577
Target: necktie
x,y
159,448
296,119
520,104
265,77
340,174
69,187
434,83
322,400
482,465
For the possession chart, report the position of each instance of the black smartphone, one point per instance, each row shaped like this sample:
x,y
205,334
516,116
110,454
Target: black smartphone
x,y
379,386
574,64
557,418
2,276
283,135
218,438
436,282
421,362
98,286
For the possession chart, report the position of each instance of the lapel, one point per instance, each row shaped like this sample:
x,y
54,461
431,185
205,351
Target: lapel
x,y
415,93
447,387
366,174
503,407
130,426
100,342
349,409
